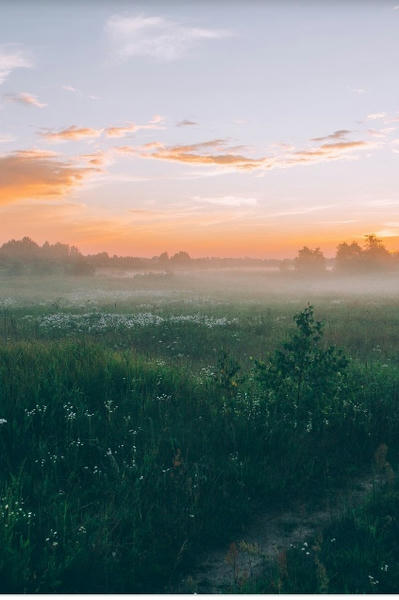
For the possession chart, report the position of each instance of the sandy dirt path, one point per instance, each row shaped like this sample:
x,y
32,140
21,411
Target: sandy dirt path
x,y
268,534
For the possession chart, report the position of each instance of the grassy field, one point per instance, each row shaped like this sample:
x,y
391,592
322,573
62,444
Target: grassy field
x,y
142,420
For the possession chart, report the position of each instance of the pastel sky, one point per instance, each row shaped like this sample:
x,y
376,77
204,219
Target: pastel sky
x,y
222,128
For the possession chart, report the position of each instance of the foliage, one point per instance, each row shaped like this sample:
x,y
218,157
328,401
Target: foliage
x,y
303,381
374,256
310,261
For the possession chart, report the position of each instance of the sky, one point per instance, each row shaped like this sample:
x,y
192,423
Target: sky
x,y
221,128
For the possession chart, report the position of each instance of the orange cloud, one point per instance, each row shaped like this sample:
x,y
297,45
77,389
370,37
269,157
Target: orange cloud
x,y
216,153
218,143
328,152
237,161
36,153
99,158
345,146
123,130
34,173
193,154
72,133
26,99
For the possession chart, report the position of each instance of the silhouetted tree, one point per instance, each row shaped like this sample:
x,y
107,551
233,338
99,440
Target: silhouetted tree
x,y
374,256
349,257
163,258
181,257
310,261
25,248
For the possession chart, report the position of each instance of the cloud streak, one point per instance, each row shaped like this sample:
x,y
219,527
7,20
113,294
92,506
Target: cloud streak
x,y
337,135
76,133
11,58
228,201
217,153
72,133
122,131
73,90
25,99
376,116
156,37
186,123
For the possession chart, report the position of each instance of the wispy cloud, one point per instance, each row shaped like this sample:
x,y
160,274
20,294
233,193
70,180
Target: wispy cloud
x,y
216,153
12,57
334,150
71,133
35,153
25,99
156,37
304,210
380,133
33,174
76,133
70,88
230,201
5,137
376,116
337,135
210,152
185,123
101,158
73,90
385,233
123,130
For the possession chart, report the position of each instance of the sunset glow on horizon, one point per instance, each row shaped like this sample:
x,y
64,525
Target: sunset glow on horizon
x,y
243,130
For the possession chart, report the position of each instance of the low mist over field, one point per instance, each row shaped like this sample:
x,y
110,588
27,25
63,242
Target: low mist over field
x,y
59,272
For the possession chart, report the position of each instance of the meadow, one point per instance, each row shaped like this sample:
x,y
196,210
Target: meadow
x,y
145,419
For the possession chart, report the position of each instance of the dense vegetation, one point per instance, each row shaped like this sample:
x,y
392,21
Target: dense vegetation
x,y
130,440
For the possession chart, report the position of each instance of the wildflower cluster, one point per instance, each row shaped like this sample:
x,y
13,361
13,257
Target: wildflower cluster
x,y
14,512
52,539
38,409
98,322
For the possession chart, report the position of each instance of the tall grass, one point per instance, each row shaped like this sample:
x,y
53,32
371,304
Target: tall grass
x,y
117,469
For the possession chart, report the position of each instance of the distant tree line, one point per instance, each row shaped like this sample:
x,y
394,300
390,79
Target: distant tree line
x,y
350,258
19,257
